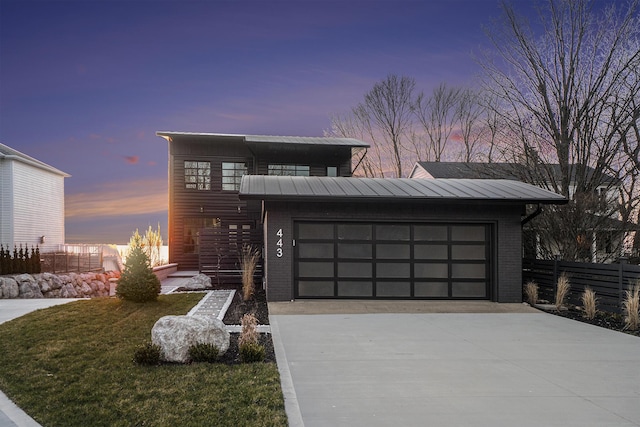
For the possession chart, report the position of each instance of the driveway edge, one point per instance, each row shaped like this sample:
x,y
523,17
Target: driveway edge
x,y
291,406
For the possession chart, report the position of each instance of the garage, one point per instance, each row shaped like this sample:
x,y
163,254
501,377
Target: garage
x,y
392,238
391,260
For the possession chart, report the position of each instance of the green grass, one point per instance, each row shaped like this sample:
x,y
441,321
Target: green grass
x,y
71,365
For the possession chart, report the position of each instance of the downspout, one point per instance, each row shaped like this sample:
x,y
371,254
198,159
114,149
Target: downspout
x,y
532,215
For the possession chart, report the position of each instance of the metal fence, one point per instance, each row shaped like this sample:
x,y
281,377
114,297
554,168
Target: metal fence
x,y
72,258
608,281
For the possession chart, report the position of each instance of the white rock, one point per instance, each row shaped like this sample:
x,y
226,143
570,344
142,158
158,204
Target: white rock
x,y
201,281
30,290
175,334
10,288
68,291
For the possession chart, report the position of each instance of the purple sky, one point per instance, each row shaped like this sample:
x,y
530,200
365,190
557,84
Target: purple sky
x,y
84,85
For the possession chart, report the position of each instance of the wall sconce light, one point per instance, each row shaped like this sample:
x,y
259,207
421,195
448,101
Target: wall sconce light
x,y
42,239
238,209
201,209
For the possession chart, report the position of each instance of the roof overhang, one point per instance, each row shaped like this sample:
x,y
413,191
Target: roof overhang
x,y
9,153
268,140
329,189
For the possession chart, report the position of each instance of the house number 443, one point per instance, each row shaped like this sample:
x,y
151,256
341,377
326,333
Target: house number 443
x,y
279,243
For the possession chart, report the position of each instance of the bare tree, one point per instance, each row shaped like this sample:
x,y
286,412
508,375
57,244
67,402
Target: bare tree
x,y
468,118
385,120
568,95
436,113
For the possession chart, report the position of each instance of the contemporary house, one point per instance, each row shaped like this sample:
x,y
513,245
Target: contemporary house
x,y
600,245
325,234
31,201
208,223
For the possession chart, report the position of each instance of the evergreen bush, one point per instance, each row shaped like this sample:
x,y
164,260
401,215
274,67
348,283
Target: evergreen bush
x,y
137,282
204,352
251,352
147,354
22,260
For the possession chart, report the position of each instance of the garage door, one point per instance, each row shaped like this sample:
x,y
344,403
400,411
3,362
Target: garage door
x,y
383,260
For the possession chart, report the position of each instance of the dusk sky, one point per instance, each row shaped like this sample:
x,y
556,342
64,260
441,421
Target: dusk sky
x,y
84,85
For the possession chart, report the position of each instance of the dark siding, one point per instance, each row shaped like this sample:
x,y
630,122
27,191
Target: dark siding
x,y
507,261
215,203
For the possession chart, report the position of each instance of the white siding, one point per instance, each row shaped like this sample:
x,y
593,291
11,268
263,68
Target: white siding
x,y
38,206
6,202
419,172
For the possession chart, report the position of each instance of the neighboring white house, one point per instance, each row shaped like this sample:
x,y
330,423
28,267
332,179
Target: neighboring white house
x,y
31,201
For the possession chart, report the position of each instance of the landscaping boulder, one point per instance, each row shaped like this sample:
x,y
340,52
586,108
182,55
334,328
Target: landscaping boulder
x,y
30,290
199,282
10,288
175,334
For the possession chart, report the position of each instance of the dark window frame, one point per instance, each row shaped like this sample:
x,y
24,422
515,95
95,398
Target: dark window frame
x,y
288,170
197,175
231,181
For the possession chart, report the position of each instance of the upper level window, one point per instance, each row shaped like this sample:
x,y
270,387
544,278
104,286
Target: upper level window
x,y
232,175
332,171
289,170
197,175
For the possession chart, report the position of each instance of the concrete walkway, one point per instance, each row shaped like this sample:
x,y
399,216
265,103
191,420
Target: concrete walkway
x,y
453,369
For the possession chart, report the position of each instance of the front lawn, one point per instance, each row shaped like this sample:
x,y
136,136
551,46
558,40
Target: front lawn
x,y
71,365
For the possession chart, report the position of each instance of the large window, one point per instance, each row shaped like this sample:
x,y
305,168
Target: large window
x,y
197,175
289,170
191,232
232,175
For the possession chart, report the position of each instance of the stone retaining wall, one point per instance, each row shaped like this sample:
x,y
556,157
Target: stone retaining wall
x,y
48,285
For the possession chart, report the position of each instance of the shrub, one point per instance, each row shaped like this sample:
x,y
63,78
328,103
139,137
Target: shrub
x,y
148,354
249,332
531,292
252,352
562,290
204,352
137,282
631,305
248,345
589,303
250,258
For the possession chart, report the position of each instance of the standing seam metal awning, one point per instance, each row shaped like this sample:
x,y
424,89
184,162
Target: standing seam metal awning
x,y
264,187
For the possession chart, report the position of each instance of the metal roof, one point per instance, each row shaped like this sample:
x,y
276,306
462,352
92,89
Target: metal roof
x,y
471,170
264,187
7,152
271,139
499,170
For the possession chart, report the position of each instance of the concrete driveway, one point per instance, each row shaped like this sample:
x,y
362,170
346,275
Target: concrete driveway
x,y
454,369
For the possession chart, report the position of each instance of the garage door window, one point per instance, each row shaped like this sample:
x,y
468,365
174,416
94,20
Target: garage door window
x,y
383,260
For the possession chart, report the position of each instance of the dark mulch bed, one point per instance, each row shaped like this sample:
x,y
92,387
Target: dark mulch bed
x,y
238,308
256,305
603,319
232,356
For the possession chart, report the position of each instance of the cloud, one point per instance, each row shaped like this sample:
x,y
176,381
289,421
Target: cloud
x,y
132,160
115,199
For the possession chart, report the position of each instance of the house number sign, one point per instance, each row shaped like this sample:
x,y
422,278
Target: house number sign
x,y
279,243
